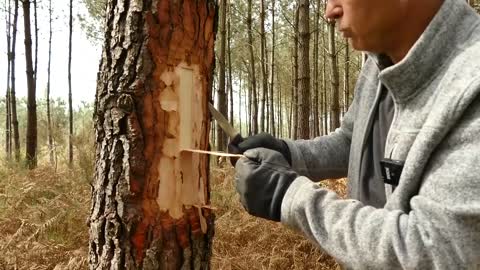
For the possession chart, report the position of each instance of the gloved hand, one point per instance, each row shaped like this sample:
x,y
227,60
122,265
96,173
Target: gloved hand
x,y
262,179
264,140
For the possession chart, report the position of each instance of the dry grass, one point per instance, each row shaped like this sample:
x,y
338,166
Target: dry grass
x,y
43,226
42,220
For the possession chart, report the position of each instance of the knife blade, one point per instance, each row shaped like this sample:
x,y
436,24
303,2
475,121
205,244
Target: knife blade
x,y
223,122
233,134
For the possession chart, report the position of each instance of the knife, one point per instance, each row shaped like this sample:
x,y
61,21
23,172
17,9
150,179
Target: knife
x,y
233,134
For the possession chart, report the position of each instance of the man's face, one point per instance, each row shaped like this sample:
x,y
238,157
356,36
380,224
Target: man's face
x,y
369,24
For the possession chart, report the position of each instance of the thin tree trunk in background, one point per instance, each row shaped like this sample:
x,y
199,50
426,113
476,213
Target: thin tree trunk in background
x,y
295,69
304,69
325,114
263,65
272,75
36,41
292,104
316,120
49,117
70,105
335,99
31,155
279,131
221,92
346,78
13,99
240,103
150,199
230,79
253,101
8,113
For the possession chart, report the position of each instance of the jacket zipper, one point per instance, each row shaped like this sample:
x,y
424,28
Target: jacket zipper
x,y
388,188
368,128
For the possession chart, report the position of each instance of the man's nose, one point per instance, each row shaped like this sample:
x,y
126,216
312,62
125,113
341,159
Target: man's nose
x,y
334,10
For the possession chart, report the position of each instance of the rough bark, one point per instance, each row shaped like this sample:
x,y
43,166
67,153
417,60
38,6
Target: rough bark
x,y
272,75
49,117
150,201
253,101
13,99
334,102
31,153
70,106
304,70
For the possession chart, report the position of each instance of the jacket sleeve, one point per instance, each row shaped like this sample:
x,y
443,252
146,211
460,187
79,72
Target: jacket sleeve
x,y
327,156
441,230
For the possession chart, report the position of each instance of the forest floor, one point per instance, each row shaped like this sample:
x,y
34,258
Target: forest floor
x,y
43,225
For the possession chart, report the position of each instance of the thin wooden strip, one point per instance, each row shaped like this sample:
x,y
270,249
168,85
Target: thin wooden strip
x,y
213,153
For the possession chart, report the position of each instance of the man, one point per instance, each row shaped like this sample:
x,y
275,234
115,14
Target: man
x,y
409,145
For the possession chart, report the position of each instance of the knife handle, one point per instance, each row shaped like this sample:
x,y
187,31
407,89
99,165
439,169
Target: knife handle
x,y
233,148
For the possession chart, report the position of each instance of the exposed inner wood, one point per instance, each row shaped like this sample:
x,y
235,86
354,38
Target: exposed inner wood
x,y
179,177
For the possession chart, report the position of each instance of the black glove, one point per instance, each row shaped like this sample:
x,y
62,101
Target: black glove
x,y
263,140
262,179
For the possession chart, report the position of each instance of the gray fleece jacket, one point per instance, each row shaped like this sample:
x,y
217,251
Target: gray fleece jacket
x,y
432,219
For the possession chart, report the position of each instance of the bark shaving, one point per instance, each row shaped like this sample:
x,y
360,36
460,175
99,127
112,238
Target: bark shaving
x,y
127,229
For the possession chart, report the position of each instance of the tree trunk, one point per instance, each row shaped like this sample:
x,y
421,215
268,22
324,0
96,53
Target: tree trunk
x,y
304,69
36,41
70,106
230,79
240,103
13,99
150,202
253,101
316,120
49,117
295,76
222,99
346,79
272,74
335,102
31,155
8,113
263,65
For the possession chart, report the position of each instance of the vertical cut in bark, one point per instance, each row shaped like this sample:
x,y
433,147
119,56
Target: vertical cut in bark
x,y
150,201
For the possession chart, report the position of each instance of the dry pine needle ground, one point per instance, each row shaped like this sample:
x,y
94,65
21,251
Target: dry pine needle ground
x,y
43,217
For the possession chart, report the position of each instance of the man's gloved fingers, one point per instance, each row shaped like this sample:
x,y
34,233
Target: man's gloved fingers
x,y
266,155
233,149
255,141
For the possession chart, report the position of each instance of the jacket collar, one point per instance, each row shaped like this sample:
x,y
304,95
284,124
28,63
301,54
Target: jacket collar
x,y
425,59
